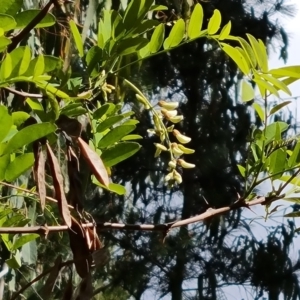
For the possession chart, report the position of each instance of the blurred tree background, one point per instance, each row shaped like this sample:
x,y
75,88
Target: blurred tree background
x,y
203,260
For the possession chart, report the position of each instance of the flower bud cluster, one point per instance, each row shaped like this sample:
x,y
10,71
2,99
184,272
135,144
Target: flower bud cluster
x,y
168,112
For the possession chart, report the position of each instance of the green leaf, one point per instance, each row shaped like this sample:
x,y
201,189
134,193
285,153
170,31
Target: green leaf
x,y
22,240
112,187
18,166
29,252
77,37
39,66
264,85
4,42
7,22
258,51
295,157
4,162
225,32
196,20
104,29
158,7
278,107
277,162
131,45
277,83
6,68
28,135
25,17
25,61
109,122
135,13
10,7
271,130
214,22
176,35
73,110
247,91
292,71
264,57
131,137
93,57
260,111
157,38
249,52
14,262
52,89
115,135
242,170
237,57
19,117
101,111
119,152
5,122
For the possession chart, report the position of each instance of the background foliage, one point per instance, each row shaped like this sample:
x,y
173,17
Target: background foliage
x,y
77,66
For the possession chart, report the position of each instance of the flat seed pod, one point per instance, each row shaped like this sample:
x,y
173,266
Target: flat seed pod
x,y
94,162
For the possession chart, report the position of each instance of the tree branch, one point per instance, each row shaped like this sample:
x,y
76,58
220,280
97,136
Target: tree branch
x,y
23,94
44,230
39,17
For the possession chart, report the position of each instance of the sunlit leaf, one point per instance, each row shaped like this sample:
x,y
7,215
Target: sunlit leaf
x,y
242,170
277,83
295,157
214,22
260,111
176,35
6,68
77,37
270,131
225,31
7,22
109,122
196,20
157,38
247,91
249,52
237,57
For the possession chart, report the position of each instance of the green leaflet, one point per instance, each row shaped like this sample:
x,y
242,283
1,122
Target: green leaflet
x,y
77,37
18,166
157,38
119,152
195,24
247,91
115,135
26,16
5,122
214,22
176,35
28,135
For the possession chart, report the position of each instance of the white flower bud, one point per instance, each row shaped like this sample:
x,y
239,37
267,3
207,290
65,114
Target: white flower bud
x,y
169,113
185,164
177,177
168,105
176,119
175,149
186,150
172,164
180,137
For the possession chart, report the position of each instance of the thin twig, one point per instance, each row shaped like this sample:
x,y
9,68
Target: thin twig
x,y
23,94
63,264
30,192
38,18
